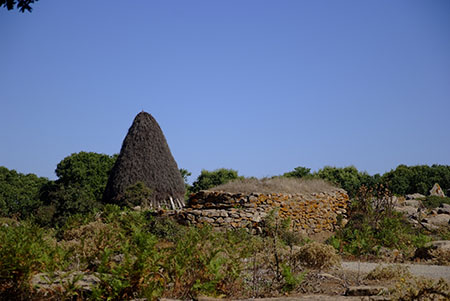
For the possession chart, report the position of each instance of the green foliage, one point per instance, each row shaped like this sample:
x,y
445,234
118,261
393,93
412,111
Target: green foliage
x,y
348,178
19,193
417,179
137,194
291,280
209,179
298,172
24,249
79,188
185,174
374,224
90,171
433,201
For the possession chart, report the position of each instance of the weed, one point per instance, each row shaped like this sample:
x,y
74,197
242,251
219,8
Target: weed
x,y
318,256
421,289
390,272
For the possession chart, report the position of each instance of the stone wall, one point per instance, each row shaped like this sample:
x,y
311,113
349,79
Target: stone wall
x,y
310,213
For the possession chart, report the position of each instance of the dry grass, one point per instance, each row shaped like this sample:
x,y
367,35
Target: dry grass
x,y
276,185
318,256
390,272
441,256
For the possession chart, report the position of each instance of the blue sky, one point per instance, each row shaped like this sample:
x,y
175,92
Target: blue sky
x,y
258,86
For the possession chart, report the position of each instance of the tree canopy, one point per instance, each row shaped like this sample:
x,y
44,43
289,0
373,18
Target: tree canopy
x,y
208,179
21,5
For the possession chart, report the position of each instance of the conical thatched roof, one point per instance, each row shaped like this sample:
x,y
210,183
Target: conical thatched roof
x,y
145,158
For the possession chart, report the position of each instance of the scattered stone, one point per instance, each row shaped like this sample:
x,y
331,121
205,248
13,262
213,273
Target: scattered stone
x,y
444,209
44,282
329,276
365,290
414,196
408,210
413,203
441,244
437,191
438,220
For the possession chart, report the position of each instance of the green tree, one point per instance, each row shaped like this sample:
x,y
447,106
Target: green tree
x,y
208,179
348,178
298,172
19,193
82,178
185,174
419,178
22,5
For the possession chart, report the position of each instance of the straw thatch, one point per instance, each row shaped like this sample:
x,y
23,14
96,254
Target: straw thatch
x,y
145,158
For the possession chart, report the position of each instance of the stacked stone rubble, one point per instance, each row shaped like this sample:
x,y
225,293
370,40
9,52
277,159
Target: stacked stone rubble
x,y
309,213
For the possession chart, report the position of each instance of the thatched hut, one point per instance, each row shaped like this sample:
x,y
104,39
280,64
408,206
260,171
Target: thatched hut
x,y
145,172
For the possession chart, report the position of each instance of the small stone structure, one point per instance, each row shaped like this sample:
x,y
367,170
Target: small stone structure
x,y
310,213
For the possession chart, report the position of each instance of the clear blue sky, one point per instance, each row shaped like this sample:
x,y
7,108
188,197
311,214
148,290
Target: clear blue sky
x,y
258,86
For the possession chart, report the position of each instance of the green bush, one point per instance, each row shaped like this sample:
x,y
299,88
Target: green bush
x,y
209,179
348,178
374,224
417,179
24,250
298,172
433,201
19,193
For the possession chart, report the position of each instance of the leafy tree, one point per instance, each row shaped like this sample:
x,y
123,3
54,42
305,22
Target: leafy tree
x,y
22,5
298,172
90,171
348,178
420,178
19,193
208,179
82,178
185,174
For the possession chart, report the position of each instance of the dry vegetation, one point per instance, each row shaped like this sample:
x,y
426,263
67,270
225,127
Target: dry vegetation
x,y
318,256
276,185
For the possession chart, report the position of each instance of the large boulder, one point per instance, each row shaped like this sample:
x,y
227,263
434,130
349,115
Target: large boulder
x,y
414,196
437,191
145,173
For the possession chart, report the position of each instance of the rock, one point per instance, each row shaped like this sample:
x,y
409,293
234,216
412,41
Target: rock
x,y
441,244
43,281
438,220
437,191
425,252
413,203
444,209
329,276
428,226
408,210
365,290
414,196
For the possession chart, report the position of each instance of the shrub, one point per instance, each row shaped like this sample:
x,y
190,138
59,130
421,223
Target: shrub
x,y
209,179
137,194
421,289
441,256
374,224
276,185
318,256
390,272
24,250
298,172
433,201
19,193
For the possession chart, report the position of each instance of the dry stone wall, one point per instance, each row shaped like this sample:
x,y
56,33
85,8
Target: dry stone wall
x,y
309,213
